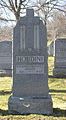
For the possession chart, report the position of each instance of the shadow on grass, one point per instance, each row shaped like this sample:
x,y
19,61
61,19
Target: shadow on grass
x,y
5,92
57,112
51,76
59,91
4,112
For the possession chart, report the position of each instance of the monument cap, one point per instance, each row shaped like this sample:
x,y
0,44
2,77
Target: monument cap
x,y
29,12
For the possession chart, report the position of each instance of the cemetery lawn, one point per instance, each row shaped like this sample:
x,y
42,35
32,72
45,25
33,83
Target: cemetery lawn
x,y
57,90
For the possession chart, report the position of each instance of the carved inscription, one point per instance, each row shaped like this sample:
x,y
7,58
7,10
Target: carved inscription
x,y
30,59
30,69
30,65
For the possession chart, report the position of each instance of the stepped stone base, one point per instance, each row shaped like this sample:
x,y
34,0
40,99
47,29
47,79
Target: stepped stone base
x,y
37,105
59,72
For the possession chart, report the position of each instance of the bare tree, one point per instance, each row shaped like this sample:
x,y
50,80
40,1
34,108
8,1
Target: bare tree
x,y
45,8
57,25
15,6
42,7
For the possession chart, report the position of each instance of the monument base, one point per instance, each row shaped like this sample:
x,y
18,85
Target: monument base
x,y
7,72
30,105
59,72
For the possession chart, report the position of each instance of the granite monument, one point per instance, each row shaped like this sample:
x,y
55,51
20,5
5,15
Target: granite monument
x,y
30,69
60,58
6,57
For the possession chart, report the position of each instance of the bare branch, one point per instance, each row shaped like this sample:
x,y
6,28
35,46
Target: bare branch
x,y
3,4
16,3
6,20
60,9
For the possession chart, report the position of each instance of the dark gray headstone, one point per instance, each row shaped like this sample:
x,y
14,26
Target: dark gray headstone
x,y
60,58
30,70
6,57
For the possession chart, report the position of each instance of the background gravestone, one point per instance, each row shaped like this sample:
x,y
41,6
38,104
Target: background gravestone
x,y
6,57
60,58
51,49
30,71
